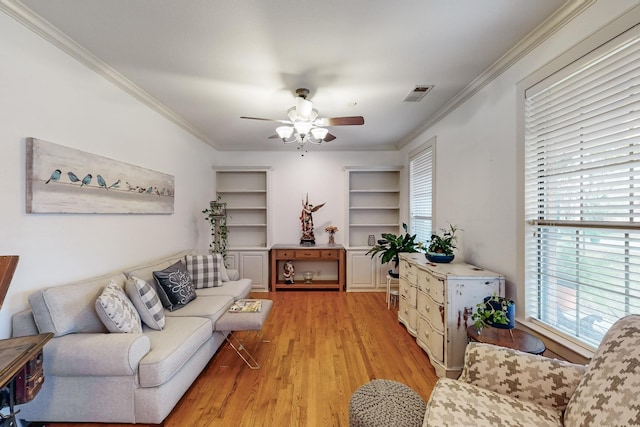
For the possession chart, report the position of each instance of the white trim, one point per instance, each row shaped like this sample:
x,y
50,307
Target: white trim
x,y
34,22
553,24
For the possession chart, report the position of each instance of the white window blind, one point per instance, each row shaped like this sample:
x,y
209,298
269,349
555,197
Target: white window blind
x,y
421,194
582,192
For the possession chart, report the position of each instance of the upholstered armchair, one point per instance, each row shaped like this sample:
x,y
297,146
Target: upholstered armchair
x,y
499,386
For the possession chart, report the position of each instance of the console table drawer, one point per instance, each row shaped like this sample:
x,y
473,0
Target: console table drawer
x,y
285,253
301,253
329,254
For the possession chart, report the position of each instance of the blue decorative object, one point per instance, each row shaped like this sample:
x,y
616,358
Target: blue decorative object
x,y
437,257
510,313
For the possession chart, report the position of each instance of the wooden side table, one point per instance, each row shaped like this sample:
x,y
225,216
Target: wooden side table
x,y
510,338
21,371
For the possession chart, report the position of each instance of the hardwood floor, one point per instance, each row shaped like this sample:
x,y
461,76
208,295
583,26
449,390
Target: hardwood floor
x,y
315,350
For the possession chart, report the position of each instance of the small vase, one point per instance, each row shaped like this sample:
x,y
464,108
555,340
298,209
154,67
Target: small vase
x,y
331,239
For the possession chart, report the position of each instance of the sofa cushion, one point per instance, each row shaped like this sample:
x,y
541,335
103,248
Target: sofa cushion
x,y
68,309
608,392
205,270
237,289
116,311
208,307
145,298
456,403
172,347
175,287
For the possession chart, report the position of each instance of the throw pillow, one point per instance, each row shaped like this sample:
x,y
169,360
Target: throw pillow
x,y
116,310
223,272
146,300
175,287
205,270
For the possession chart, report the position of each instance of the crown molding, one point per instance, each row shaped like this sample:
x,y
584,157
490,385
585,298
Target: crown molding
x,y
24,15
549,27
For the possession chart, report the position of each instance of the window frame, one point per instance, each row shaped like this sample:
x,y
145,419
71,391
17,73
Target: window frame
x,y
594,41
427,148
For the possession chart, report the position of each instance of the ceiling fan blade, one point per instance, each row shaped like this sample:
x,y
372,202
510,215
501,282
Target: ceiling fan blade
x,y
329,137
340,121
275,136
267,120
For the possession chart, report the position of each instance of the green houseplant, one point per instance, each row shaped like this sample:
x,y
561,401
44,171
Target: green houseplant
x,y
216,215
440,247
391,245
494,311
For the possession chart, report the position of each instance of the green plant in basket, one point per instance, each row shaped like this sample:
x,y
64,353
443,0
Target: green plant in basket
x,y
491,311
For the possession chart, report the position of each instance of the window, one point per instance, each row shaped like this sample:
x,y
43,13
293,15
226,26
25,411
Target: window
x,y
421,193
582,192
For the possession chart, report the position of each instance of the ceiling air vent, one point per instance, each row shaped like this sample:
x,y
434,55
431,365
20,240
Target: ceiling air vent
x,y
418,93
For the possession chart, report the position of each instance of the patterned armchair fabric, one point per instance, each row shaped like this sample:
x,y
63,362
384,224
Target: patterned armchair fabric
x,y
503,387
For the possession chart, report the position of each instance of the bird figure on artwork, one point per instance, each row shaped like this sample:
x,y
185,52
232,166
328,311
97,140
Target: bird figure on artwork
x,y
86,180
73,177
101,182
54,176
149,190
115,184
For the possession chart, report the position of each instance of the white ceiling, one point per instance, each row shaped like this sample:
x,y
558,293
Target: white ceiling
x,y
205,63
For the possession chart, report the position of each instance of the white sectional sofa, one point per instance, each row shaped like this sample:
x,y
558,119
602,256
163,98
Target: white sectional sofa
x,y
92,375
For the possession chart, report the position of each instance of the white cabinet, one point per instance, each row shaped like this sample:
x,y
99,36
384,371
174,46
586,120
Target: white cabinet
x,y
252,265
436,305
245,190
373,208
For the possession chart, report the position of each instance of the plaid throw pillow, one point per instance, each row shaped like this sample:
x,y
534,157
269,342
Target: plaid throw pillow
x,y
205,270
145,298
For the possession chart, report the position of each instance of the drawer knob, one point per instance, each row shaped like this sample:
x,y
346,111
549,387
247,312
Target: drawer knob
x,y
427,308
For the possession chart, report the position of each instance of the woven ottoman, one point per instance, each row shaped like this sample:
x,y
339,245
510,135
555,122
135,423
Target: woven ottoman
x,y
384,403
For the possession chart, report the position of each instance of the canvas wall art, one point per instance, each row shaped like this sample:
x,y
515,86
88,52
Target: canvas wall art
x,y
65,180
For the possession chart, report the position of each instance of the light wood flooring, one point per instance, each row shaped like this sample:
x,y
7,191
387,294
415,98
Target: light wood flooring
x,y
315,350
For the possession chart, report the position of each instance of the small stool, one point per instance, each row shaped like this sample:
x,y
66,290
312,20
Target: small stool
x,y
230,322
392,295
383,403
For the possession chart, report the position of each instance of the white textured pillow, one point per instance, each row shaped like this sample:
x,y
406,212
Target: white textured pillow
x,y
205,270
145,298
116,310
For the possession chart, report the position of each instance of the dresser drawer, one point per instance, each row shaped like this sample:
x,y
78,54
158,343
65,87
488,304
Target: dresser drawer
x,y
431,311
408,312
434,287
431,338
410,294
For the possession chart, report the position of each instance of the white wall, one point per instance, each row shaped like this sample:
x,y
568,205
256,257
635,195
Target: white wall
x,y
477,177
46,94
318,173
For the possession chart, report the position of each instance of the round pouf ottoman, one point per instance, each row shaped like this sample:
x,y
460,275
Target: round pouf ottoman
x,y
383,403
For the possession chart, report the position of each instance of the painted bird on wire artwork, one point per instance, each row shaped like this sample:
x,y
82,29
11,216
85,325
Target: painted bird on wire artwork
x,y
306,219
65,180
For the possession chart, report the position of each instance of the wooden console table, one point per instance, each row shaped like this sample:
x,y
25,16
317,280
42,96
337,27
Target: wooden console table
x,y
21,371
318,253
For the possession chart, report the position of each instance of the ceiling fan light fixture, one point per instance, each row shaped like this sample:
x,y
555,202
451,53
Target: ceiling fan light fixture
x,y
304,108
284,132
303,128
319,133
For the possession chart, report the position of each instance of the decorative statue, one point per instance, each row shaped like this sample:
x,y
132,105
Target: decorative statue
x,y
288,272
306,218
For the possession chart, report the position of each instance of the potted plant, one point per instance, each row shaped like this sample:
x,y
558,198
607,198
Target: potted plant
x,y
216,214
440,247
495,311
391,245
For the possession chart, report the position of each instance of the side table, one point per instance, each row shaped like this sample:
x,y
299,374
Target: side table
x,y
510,338
21,372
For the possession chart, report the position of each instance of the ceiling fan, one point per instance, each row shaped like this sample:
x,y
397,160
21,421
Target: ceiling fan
x,y
304,125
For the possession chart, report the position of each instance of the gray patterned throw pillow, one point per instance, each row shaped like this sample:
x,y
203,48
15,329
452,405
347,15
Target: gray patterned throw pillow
x,y
116,310
175,286
145,298
205,270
